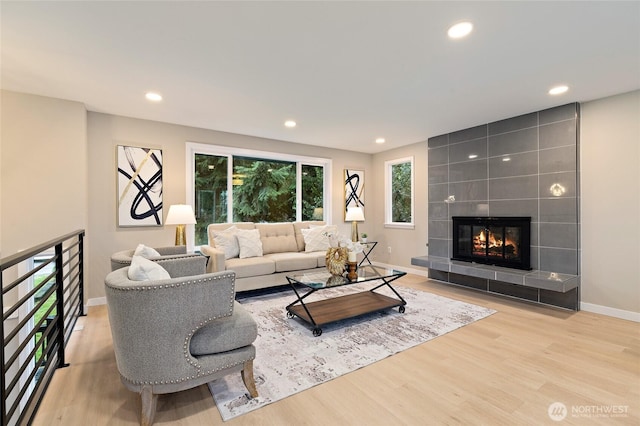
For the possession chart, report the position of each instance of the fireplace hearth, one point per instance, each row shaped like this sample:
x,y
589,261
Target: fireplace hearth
x,y
500,241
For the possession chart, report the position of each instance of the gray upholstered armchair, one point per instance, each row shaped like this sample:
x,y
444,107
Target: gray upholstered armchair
x,y
175,334
122,259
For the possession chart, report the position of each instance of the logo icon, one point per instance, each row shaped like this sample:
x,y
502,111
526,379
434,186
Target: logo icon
x,y
557,411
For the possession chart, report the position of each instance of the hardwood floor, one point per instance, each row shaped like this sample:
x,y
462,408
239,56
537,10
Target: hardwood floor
x,y
505,369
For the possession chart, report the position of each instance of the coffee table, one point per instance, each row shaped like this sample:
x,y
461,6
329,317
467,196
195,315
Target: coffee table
x,y
321,312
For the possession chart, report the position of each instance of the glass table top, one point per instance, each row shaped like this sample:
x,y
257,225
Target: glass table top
x,y
324,279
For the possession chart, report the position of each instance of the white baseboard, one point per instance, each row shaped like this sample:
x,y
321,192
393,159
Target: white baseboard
x,y
611,312
96,301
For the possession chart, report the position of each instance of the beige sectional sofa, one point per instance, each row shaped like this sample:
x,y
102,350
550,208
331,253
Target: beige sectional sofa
x,y
283,251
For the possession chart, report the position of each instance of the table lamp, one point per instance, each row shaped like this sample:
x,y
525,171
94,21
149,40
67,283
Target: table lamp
x,y
355,215
181,215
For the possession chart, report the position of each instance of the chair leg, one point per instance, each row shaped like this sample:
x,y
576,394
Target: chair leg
x,y
247,378
149,402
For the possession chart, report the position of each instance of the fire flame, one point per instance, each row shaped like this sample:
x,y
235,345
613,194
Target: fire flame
x,y
480,242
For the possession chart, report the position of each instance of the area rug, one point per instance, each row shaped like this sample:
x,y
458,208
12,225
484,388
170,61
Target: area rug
x,y
289,359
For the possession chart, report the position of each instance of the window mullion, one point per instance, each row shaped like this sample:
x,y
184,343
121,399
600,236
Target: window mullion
x,y
229,188
298,191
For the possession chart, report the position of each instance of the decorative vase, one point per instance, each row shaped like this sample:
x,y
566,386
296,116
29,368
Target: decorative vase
x,y
352,275
336,260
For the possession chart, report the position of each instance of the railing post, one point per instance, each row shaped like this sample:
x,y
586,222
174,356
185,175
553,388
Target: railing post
x,y
3,410
81,271
60,306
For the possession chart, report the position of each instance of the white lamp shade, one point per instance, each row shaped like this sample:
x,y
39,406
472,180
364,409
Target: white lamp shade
x,y
180,214
354,213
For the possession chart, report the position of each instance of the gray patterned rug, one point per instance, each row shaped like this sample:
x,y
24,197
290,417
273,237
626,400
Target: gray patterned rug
x,y
289,359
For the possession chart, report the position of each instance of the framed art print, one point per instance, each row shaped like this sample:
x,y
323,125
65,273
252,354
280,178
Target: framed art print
x,y
353,189
139,185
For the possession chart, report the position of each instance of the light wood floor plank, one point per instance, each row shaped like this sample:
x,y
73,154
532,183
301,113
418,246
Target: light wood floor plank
x,y
506,369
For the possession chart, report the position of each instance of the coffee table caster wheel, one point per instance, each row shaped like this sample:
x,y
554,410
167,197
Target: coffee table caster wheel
x,y
317,332
401,309
289,314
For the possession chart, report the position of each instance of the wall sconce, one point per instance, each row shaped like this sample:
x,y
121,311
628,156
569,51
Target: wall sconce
x,y
557,190
181,215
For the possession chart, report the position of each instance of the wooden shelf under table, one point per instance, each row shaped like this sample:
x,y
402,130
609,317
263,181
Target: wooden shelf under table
x,y
343,307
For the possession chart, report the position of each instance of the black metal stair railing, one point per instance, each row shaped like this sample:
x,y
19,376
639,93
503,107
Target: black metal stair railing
x,y
41,302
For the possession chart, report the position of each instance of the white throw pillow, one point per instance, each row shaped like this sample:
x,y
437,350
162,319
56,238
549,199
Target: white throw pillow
x,y
142,269
250,243
145,251
314,238
227,241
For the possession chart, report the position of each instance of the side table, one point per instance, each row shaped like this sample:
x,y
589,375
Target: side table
x,y
368,248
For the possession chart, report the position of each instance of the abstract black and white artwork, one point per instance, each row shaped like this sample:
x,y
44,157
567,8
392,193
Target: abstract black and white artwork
x,y
139,186
353,189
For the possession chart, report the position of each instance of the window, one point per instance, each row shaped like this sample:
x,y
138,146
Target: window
x,y
399,193
238,185
312,192
210,193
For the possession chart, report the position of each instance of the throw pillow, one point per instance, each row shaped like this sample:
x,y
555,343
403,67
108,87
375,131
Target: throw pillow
x,y
227,241
142,269
314,238
249,242
145,251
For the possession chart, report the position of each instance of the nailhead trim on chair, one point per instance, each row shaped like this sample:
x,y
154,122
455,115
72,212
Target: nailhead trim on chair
x,y
161,286
187,354
182,379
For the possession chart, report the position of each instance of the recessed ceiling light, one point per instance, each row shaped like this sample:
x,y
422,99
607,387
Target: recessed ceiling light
x,y
506,159
472,156
460,30
380,140
290,123
152,96
558,90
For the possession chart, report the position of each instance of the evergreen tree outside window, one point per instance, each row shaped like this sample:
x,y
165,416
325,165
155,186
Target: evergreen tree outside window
x,y
399,193
263,191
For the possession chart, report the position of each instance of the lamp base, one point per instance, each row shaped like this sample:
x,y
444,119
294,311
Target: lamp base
x,y
354,231
181,236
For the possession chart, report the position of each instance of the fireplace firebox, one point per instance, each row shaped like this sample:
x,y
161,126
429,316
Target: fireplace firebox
x,y
500,241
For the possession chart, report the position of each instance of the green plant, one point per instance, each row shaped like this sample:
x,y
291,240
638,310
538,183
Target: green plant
x,y
364,235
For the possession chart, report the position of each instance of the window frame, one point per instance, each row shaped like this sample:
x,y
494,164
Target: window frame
x,y
193,148
388,181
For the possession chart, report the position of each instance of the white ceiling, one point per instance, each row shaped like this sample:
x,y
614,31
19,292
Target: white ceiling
x,y
347,72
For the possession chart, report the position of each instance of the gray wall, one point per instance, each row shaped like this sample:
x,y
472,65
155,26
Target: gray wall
x,y
610,195
404,243
44,169
542,151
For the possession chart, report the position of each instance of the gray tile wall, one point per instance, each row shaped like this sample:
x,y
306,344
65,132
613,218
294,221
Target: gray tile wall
x,y
522,166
